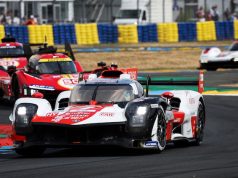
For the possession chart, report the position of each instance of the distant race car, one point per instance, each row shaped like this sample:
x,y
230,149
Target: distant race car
x,y
109,111
47,71
12,55
213,58
102,66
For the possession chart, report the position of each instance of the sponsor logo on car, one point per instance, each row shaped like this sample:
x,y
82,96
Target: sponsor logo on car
x,y
150,144
107,114
41,87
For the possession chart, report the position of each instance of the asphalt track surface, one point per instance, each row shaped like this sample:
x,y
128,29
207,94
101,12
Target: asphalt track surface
x,y
216,157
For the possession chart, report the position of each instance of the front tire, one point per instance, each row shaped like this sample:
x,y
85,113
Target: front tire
x,y
159,131
15,88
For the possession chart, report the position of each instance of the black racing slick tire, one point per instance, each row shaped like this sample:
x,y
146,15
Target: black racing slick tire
x,y
30,151
159,128
15,88
200,124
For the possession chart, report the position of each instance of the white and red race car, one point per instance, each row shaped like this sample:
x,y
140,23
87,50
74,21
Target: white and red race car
x,y
213,58
108,111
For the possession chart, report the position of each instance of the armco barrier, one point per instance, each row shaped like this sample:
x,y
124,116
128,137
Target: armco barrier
x,y
64,33
167,32
206,31
86,34
18,32
236,29
127,34
2,31
225,30
108,33
187,31
92,33
40,34
147,33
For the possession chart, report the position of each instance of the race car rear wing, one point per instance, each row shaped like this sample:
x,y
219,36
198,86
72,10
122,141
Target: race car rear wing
x,y
199,82
133,72
44,48
112,71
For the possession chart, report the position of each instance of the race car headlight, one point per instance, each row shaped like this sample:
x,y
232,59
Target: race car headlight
x,y
138,120
137,115
24,113
21,110
204,60
141,110
235,59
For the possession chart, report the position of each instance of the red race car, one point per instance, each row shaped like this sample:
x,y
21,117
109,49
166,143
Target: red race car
x,y
112,70
12,56
47,72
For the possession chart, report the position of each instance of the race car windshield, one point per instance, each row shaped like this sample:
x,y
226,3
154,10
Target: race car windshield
x,y
11,50
102,93
234,47
63,67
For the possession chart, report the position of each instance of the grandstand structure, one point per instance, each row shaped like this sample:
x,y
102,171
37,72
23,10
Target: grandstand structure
x,y
86,11
96,10
58,11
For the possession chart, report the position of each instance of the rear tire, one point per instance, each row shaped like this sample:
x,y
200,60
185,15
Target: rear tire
x,y
15,88
30,151
200,124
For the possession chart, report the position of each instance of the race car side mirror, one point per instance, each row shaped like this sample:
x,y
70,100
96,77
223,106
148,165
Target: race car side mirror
x,y
168,95
37,95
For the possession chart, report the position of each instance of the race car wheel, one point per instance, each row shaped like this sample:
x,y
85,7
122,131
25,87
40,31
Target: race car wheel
x,y
30,152
15,88
159,129
200,124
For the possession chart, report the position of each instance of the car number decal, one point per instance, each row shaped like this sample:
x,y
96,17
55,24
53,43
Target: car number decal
x,y
68,81
9,62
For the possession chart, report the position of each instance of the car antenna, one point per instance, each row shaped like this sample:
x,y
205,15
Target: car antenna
x,y
148,81
69,51
45,43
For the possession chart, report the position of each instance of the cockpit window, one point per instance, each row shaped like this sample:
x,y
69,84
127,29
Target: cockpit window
x,y
102,93
11,50
62,67
234,47
114,94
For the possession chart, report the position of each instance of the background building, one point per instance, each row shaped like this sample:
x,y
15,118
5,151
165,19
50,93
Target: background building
x,y
53,11
47,11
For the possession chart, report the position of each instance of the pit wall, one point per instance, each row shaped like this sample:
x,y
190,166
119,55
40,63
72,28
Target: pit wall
x,y
92,33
